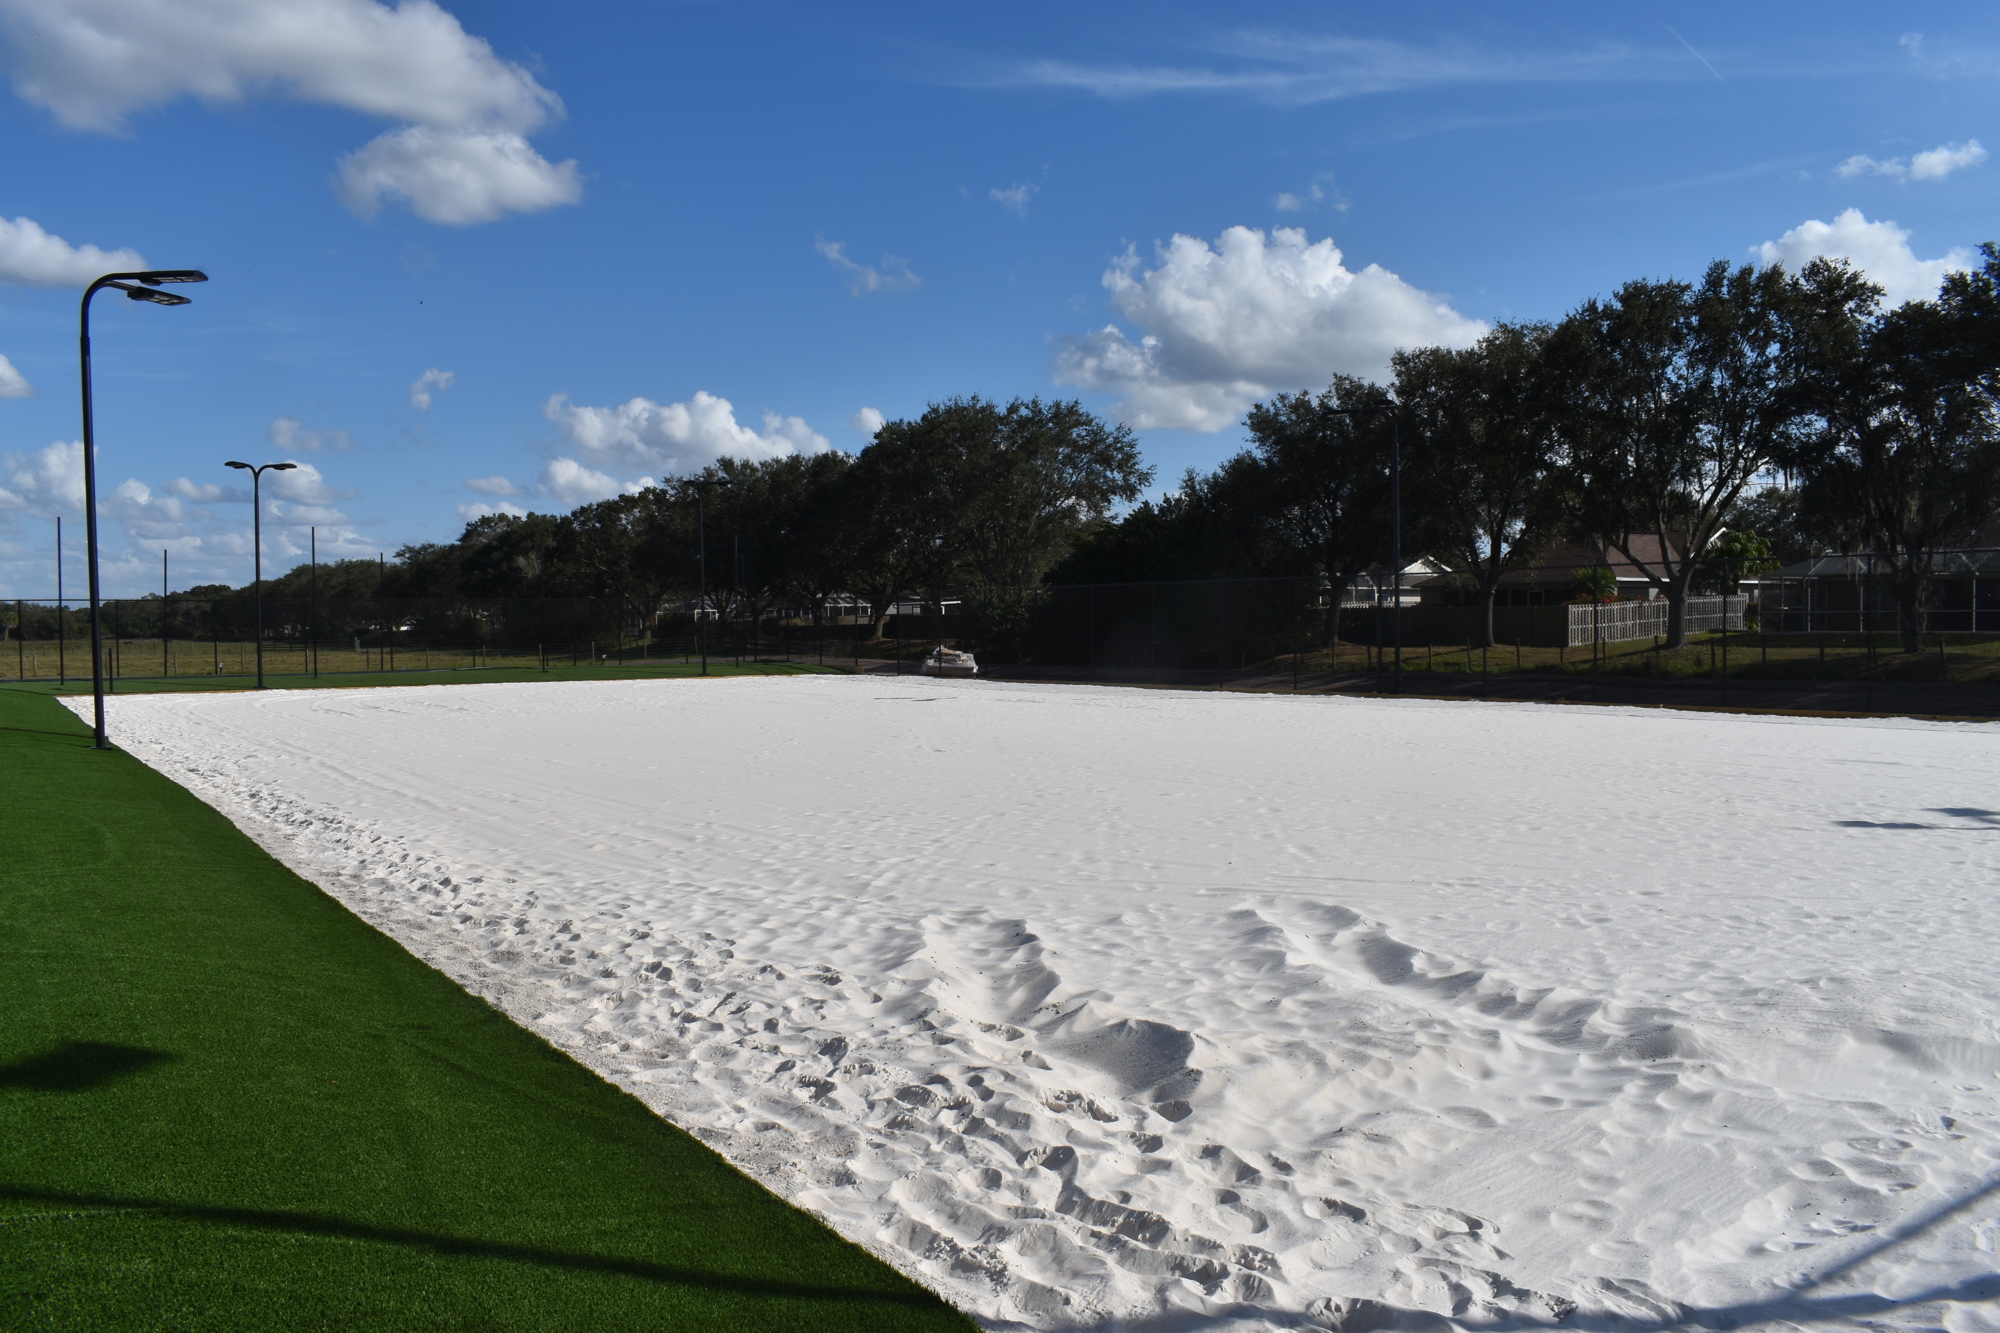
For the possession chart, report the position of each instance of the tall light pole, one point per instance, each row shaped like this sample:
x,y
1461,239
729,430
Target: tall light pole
x,y
701,487
1395,523
257,541
150,279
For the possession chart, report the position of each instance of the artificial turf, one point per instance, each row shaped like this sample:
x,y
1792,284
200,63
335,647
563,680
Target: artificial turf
x,y
227,1102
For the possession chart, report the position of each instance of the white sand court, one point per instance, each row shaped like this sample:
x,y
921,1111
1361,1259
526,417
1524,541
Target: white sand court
x,y
1125,1009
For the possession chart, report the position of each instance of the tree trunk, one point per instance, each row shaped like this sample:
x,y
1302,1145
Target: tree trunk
x,y
1489,587
1677,605
1909,585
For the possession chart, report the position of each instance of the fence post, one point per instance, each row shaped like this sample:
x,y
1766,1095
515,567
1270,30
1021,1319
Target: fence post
x,y
1090,631
1221,647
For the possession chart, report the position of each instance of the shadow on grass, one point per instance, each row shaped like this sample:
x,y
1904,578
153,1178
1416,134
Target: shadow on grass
x,y
78,1066
313,1224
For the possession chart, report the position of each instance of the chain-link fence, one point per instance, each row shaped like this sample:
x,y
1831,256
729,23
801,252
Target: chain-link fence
x,y
1296,631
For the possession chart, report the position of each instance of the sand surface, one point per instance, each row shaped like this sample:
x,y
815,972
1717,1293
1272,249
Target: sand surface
x,y
1122,1009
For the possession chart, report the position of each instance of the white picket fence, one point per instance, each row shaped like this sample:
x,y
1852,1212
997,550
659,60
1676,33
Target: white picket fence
x,y
1621,622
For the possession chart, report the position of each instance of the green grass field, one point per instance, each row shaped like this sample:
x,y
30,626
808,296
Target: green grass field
x,y
1747,655
206,660
228,1103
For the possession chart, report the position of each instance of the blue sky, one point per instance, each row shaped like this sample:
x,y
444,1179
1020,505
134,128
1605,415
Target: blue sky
x,y
628,237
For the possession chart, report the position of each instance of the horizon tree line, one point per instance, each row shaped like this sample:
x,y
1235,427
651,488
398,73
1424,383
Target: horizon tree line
x,y
1701,430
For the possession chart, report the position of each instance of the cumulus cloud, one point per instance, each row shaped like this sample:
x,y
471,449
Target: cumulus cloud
x,y
1015,197
468,512
143,513
460,157
674,438
290,435
302,485
49,480
1939,162
1224,325
433,379
572,483
13,384
31,255
491,486
867,421
894,276
1879,249
455,177
1931,165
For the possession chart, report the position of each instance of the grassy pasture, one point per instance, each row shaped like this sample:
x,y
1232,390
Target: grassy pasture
x,y
226,1102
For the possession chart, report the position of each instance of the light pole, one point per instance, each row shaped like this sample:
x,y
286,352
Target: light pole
x,y
701,487
1395,524
257,542
151,279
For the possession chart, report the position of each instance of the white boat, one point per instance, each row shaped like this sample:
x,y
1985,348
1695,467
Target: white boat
x,y
950,662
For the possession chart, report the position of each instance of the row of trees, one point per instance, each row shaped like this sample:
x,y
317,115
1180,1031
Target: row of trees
x,y
970,492
1720,419
1786,410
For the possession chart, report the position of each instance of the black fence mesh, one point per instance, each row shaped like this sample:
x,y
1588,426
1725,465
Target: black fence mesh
x,y
1834,619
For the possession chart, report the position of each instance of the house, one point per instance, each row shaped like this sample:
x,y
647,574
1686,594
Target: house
x,y
1834,594
1378,587
1558,573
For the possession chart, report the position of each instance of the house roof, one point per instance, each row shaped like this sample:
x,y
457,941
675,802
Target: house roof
x,y
1855,565
1562,561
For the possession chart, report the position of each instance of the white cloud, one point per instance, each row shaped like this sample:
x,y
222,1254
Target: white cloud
x,y
311,515
207,492
13,384
1937,163
143,513
675,438
290,435
420,392
867,421
31,255
1879,249
491,486
572,483
894,276
1931,165
1320,190
1863,165
302,485
455,177
93,62
1294,67
460,157
1223,326
50,480
467,513
1015,197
